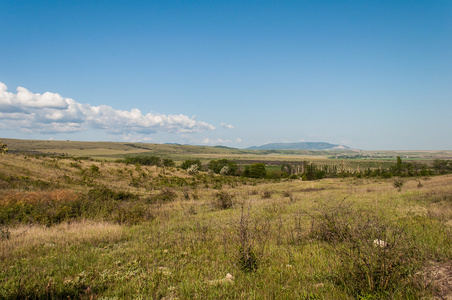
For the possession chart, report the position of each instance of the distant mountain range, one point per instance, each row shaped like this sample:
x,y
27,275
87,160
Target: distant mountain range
x,y
300,146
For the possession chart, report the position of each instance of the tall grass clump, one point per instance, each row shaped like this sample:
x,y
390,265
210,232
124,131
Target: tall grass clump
x,y
250,240
223,200
377,258
247,258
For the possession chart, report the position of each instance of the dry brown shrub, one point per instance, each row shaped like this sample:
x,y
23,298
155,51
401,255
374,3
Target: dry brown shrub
x,y
35,197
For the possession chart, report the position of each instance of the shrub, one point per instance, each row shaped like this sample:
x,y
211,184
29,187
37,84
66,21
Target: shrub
x,y
76,165
376,257
223,200
312,172
3,148
398,183
4,233
103,193
165,195
276,175
190,162
255,171
442,166
223,166
225,170
331,224
193,169
247,258
130,213
144,160
89,173
168,162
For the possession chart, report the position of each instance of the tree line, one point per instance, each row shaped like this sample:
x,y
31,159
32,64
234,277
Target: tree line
x,y
304,170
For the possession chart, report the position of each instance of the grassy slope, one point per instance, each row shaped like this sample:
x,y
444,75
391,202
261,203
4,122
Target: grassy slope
x,y
113,150
188,244
116,149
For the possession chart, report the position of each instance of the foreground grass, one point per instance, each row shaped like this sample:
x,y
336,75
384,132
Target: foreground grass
x,y
281,240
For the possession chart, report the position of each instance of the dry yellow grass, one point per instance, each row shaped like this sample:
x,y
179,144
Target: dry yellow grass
x,y
24,238
195,240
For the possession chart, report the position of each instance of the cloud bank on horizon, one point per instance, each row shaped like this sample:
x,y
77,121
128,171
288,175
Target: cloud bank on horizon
x,y
49,113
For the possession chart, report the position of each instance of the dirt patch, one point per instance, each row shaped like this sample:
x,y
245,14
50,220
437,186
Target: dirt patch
x,y
440,276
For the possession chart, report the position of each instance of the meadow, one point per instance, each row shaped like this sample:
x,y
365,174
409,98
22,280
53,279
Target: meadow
x,y
77,223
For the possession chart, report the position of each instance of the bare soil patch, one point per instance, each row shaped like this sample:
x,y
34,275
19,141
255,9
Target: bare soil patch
x,y
440,276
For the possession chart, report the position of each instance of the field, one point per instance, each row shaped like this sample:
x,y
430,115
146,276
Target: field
x,y
86,226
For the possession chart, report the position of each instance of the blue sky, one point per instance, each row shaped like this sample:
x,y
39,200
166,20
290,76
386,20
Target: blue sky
x,y
367,74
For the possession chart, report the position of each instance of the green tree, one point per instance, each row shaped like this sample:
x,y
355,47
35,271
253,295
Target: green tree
x,y
217,165
255,171
168,162
190,162
312,172
442,166
399,166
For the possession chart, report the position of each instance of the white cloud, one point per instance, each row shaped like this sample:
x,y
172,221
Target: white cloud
x,y
224,125
133,138
238,140
52,113
208,141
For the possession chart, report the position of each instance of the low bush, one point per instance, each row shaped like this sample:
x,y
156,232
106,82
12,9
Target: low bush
x,y
223,200
53,207
144,160
223,166
256,170
376,257
24,182
190,162
398,183
3,148
131,213
165,195
103,193
193,169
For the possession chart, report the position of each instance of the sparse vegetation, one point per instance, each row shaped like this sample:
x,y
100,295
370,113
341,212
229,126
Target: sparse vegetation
x,y
83,228
375,254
